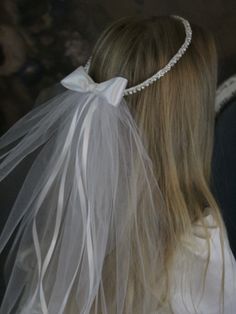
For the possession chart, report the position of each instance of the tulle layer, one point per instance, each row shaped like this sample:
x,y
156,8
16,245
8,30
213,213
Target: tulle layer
x,y
79,209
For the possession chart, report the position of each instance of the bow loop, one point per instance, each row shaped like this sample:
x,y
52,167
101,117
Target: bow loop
x,y
112,90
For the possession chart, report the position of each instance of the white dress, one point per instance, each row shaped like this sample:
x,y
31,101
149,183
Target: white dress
x,y
189,294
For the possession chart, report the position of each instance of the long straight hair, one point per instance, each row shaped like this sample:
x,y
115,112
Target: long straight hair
x,y
175,118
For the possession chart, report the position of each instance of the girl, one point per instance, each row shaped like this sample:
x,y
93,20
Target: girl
x,y
116,214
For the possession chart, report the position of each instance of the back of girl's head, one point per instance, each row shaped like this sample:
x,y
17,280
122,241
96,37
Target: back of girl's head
x,y
175,115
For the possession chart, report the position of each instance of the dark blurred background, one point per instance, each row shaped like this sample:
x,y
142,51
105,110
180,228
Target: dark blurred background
x,y
43,40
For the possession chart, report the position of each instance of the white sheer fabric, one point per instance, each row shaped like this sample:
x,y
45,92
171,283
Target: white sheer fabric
x,y
77,201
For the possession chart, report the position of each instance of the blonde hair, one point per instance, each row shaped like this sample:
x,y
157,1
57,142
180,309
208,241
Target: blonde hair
x,y
175,117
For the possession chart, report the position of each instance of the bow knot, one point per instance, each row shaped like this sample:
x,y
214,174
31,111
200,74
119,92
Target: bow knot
x,y
112,90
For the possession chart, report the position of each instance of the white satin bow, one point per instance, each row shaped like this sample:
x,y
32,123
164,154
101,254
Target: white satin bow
x,y
112,90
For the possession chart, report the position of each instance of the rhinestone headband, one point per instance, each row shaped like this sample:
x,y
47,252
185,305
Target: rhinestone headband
x,y
167,67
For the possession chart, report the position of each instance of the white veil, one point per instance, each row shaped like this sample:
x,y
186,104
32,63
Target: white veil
x,y
79,202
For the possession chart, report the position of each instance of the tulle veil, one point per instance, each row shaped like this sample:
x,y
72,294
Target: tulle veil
x,y
78,202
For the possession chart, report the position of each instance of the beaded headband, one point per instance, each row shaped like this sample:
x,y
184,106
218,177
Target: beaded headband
x,y
167,67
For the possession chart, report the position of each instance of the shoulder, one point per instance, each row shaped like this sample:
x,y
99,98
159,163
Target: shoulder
x,y
206,238
204,271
